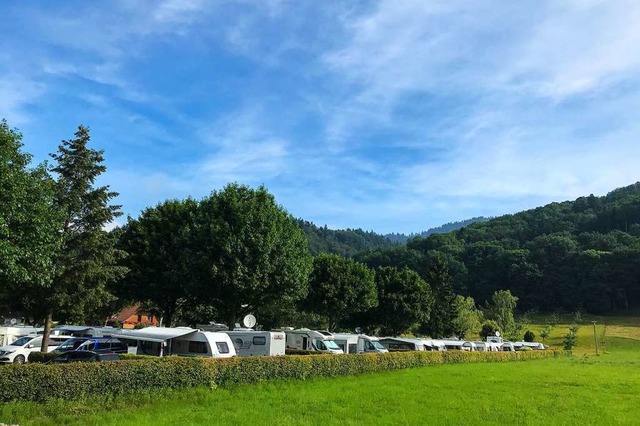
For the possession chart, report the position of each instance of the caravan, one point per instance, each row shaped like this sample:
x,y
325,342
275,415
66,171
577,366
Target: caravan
x,y
10,333
358,343
411,344
250,342
182,341
310,340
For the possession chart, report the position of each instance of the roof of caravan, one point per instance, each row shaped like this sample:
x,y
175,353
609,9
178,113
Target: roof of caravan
x,y
74,327
156,334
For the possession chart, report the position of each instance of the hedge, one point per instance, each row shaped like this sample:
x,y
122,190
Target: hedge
x,y
39,382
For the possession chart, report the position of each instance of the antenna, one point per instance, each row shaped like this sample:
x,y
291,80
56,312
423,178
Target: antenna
x,y
249,321
13,321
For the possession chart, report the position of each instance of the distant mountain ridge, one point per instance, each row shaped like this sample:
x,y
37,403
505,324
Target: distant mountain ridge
x,y
443,229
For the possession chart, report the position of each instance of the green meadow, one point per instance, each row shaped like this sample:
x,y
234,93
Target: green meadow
x,y
583,389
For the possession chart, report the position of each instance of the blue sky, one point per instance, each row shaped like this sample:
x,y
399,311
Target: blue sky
x,y
390,116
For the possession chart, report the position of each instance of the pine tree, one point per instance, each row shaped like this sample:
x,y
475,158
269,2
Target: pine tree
x,y
88,259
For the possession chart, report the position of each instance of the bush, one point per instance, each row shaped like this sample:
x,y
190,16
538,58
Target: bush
x,y
489,328
529,336
38,382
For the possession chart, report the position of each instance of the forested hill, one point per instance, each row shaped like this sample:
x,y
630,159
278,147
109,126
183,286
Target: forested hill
x,y
443,229
583,253
344,242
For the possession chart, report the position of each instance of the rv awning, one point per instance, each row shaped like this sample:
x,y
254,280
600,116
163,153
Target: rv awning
x,y
155,334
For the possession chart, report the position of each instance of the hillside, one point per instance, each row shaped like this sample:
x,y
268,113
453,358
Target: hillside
x,y
443,229
344,242
575,254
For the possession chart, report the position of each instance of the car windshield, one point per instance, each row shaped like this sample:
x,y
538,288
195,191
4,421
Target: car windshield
x,y
22,341
378,345
330,344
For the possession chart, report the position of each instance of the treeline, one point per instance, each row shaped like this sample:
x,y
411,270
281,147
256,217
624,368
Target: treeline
x,y
443,229
343,242
583,254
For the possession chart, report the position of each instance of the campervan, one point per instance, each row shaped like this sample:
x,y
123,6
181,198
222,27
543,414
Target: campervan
x,y
411,344
18,351
311,340
250,342
532,345
358,343
12,332
182,341
83,331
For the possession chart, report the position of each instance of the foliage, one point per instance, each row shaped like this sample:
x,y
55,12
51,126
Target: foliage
x,y
489,328
500,309
405,301
251,256
28,218
343,242
546,332
440,323
467,317
570,339
340,287
38,382
161,257
529,336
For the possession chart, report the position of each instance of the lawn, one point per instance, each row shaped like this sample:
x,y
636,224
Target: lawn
x,y
584,389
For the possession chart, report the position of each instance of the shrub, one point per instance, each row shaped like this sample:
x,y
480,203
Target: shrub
x,y
489,328
38,382
529,336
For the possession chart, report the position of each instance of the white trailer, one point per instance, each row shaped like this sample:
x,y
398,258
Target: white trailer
x,y
358,343
532,345
311,340
10,333
181,341
250,342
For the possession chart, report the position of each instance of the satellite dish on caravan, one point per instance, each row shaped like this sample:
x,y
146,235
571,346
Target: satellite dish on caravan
x,y
497,333
13,321
249,321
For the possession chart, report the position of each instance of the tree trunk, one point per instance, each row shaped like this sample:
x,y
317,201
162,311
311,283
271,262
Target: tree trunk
x,y
232,318
47,332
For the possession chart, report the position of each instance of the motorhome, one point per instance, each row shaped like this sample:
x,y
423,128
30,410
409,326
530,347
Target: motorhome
x,y
311,340
532,345
411,344
251,343
18,351
502,345
487,346
182,341
358,343
10,333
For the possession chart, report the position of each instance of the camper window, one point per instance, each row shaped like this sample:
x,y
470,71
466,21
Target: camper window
x,y
368,346
259,340
223,348
320,345
198,347
331,344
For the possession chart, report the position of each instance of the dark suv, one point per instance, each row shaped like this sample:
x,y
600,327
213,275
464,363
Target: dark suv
x,y
96,344
84,356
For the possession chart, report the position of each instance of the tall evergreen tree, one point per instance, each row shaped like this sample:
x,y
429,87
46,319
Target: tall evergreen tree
x,y
443,311
88,259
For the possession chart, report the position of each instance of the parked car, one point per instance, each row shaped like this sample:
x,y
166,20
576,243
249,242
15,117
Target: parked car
x,y
19,350
97,344
84,356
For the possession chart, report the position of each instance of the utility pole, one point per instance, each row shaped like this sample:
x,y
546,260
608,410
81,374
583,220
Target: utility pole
x,y
595,335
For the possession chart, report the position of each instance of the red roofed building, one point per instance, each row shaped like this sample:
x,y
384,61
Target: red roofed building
x,y
132,316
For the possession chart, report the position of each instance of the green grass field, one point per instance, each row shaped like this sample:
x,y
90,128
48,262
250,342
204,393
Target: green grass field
x,y
584,389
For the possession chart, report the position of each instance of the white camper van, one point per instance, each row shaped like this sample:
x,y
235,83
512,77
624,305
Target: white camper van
x,y
411,344
182,341
311,340
18,351
251,342
358,343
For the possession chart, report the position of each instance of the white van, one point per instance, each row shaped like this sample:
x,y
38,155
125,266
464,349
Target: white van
x,y
182,341
252,343
358,343
19,350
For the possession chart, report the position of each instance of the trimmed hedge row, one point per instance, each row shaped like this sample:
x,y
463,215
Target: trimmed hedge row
x,y
39,382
